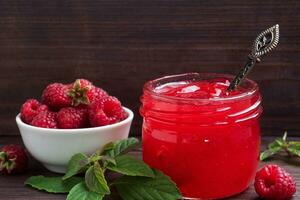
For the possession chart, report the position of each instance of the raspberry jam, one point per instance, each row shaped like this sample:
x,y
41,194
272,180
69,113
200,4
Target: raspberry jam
x,y
205,138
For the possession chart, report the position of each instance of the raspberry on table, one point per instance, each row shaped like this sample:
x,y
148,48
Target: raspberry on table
x,y
107,111
72,117
30,109
46,119
13,159
274,183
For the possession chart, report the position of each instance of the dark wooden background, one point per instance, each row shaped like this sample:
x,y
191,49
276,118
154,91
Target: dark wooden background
x,y
120,44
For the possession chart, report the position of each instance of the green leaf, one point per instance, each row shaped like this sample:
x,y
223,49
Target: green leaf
x,y
294,148
291,147
106,160
277,144
76,164
52,184
95,157
95,180
108,146
273,148
266,154
116,148
160,187
130,166
294,143
81,192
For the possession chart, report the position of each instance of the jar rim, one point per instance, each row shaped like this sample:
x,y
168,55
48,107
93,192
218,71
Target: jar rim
x,y
149,87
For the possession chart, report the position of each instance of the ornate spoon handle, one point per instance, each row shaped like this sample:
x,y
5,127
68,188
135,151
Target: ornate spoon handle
x,y
264,43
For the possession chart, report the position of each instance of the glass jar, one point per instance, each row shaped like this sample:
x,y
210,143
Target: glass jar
x,y
208,146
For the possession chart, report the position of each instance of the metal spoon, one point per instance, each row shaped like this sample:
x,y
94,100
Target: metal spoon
x,y
264,43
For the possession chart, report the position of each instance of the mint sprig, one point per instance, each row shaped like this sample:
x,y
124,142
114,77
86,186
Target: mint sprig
x,y
136,181
291,148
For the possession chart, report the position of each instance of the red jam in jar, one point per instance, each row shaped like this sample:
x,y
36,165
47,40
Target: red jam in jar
x,y
205,138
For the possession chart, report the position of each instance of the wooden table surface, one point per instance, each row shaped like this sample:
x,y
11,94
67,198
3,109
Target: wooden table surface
x,y
120,44
12,187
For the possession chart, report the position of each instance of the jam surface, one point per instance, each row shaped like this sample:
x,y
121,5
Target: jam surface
x,y
214,88
210,149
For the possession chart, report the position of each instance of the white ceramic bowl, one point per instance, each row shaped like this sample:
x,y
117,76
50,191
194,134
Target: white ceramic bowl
x,y
54,147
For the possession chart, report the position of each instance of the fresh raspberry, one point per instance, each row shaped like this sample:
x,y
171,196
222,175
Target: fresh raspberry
x,y
96,94
30,109
56,96
69,86
273,182
81,92
78,92
13,159
46,119
43,108
72,117
107,111
85,83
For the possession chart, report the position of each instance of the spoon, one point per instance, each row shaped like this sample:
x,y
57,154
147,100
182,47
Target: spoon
x,y
265,42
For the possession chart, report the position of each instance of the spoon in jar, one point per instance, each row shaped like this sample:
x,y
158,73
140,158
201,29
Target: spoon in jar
x,y
265,42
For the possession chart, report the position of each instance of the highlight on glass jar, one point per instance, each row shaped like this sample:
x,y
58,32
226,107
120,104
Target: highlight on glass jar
x,y
206,138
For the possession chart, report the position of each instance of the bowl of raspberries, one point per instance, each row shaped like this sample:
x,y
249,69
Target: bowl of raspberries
x,y
71,118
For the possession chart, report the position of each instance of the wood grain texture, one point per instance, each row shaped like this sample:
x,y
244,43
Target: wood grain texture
x,y
120,44
12,188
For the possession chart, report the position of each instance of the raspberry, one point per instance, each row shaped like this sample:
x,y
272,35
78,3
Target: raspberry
x,y
56,96
107,111
81,92
96,94
272,182
13,159
46,119
72,117
85,83
78,92
30,109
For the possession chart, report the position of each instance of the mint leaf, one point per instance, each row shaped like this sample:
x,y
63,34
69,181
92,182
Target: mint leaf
x,y
52,184
266,154
160,187
95,180
294,148
273,148
106,160
280,144
108,146
76,165
81,192
277,144
116,148
95,157
130,166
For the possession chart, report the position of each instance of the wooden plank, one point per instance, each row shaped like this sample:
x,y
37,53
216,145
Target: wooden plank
x,y
12,188
120,44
